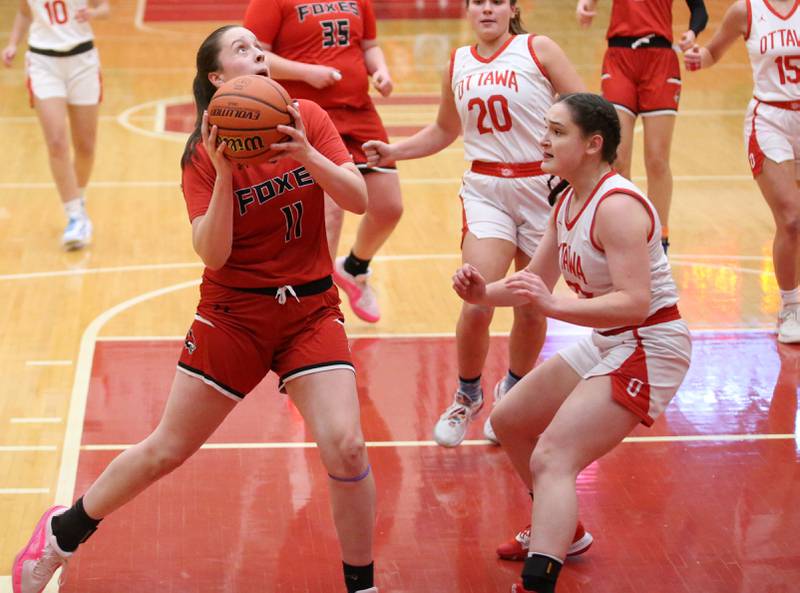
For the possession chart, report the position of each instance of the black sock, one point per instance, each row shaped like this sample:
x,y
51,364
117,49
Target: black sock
x,y
355,266
73,527
540,573
358,578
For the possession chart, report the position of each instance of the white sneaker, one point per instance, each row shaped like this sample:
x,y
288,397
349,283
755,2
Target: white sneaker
x,y
452,424
789,324
78,233
363,300
499,392
370,590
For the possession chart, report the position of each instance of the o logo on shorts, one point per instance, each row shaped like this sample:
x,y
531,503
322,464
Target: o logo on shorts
x,y
752,158
634,387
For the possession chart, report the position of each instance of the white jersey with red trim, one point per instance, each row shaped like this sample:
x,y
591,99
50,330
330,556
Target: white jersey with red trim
x,y
773,43
502,101
584,264
54,26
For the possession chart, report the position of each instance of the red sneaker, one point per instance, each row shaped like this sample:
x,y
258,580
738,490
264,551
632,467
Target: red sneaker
x,y
517,548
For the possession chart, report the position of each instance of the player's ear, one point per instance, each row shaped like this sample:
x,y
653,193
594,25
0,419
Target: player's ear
x,y
216,78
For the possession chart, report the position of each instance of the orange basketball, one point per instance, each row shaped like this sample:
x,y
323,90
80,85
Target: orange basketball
x,y
246,111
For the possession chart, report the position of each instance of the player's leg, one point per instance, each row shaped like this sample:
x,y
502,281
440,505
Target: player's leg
x,y
328,402
193,411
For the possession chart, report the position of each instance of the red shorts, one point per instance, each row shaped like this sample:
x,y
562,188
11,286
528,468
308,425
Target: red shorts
x,y
238,337
356,126
642,81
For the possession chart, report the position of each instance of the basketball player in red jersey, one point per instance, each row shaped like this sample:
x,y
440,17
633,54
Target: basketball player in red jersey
x,y
326,52
642,77
267,302
770,30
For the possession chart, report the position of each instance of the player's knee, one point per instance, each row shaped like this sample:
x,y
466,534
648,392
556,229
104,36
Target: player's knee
x,y
163,458
84,147
346,456
58,148
477,316
503,424
656,165
384,210
545,458
529,317
789,222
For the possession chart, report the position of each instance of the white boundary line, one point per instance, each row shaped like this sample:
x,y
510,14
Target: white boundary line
x,y
48,363
468,443
676,259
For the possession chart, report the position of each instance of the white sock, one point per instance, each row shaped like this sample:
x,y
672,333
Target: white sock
x,y
74,208
790,297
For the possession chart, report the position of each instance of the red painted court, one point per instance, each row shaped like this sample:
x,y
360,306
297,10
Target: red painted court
x,y
250,513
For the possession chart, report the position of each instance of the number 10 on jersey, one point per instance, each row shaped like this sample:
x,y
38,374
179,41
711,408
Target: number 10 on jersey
x,y
496,108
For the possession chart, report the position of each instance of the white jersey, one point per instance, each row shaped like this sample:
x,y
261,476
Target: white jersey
x,y
773,43
54,26
502,101
585,266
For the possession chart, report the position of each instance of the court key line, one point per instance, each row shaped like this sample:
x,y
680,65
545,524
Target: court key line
x,y
469,443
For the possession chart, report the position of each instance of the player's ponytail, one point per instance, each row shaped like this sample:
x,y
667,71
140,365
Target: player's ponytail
x,y
515,26
202,89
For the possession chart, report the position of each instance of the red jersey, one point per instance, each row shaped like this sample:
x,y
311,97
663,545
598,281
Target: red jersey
x,y
326,33
278,212
637,18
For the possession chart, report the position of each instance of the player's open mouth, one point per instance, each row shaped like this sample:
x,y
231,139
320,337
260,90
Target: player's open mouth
x,y
263,72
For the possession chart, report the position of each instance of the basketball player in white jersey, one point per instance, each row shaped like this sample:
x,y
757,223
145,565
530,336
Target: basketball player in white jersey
x,y
63,72
771,31
603,238
496,92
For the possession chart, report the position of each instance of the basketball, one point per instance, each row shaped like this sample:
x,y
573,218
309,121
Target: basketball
x,y
247,111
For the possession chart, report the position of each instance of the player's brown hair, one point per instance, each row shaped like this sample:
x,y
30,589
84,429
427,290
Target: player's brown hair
x,y
203,90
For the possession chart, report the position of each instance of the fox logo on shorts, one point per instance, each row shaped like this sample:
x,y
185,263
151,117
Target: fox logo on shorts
x,y
189,342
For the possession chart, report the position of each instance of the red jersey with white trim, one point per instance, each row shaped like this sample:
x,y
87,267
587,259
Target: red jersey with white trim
x,y
278,212
326,33
54,25
773,44
637,18
585,266
502,101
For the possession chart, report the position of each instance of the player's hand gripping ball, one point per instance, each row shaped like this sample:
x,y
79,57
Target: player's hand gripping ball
x,y
247,110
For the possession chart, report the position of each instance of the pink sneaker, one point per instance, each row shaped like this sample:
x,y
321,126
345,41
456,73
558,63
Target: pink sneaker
x,y
35,565
363,300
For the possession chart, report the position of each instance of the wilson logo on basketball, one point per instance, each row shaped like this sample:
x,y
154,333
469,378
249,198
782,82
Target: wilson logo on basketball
x,y
239,144
234,113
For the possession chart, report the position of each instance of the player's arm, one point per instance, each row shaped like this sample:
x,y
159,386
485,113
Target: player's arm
x,y
22,22
343,183
559,69
376,66
430,140
212,232
470,285
97,9
734,25
316,75
585,12
622,226
698,19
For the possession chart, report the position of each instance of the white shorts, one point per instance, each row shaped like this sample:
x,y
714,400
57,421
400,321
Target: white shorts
x,y
514,209
74,78
646,365
772,133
